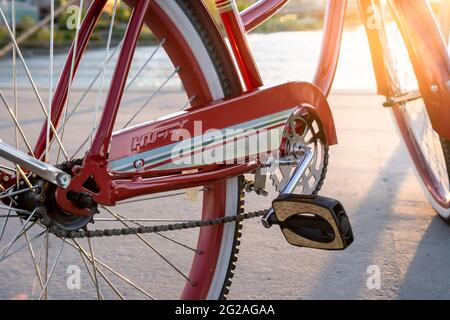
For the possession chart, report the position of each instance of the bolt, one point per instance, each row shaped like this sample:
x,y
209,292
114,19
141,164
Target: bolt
x,y
5,178
448,83
139,164
298,149
63,180
46,221
434,88
85,201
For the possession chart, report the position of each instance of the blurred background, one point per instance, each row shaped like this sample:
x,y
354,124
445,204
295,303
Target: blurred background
x,y
286,46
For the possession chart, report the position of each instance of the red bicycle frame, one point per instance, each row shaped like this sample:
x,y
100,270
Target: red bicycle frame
x,y
110,161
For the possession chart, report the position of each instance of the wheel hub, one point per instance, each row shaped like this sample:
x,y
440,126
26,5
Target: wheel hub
x,y
42,199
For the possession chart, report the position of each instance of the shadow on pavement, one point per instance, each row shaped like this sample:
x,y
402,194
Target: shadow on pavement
x,y
428,275
345,275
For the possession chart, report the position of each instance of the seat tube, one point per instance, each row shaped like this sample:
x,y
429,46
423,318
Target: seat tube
x,y
234,28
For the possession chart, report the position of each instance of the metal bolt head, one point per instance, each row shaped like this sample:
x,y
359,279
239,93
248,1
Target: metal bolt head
x,y
298,149
448,83
434,88
46,221
63,180
139,164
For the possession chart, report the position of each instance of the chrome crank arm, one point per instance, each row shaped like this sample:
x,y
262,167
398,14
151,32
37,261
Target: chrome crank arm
x,y
299,171
42,169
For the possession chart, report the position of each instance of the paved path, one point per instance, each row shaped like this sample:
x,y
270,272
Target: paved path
x,y
394,226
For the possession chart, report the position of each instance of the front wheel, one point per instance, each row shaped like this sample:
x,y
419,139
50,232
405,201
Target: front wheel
x,y
429,153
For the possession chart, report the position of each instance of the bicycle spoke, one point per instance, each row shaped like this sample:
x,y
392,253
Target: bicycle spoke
x,y
108,44
46,255
44,290
2,207
153,198
33,257
14,72
30,78
2,231
151,97
11,194
179,243
84,256
24,177
83,96
17,125
89,271
135,222
4,251
50,85
151,247
94,268
41,254
27,243
160,44
83,144
188,103
85,93
78,247
101,72
7,168
72,69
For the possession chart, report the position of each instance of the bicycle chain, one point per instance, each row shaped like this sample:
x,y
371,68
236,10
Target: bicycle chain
x,y
41,210
153,229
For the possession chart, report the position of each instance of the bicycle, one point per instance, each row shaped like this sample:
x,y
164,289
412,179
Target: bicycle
x,y
53,187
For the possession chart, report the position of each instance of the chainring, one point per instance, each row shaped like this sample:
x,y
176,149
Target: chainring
x,y
303,128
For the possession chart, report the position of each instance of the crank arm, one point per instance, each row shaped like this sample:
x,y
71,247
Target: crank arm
x,y
42,169
269,218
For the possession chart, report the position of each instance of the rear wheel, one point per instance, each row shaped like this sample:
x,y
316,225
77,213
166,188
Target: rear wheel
x,y
429,153
193,264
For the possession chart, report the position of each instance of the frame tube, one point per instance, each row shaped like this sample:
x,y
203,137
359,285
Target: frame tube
x,y
234,28
331,45
100,145
259,12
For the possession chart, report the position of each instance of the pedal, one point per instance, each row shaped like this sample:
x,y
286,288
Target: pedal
x,y
313,222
